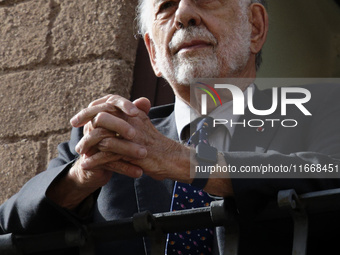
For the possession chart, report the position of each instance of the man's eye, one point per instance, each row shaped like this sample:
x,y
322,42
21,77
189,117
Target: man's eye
x,y
166,6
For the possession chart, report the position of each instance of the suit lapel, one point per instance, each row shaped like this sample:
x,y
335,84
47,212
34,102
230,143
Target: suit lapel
x,y
252,138
153,195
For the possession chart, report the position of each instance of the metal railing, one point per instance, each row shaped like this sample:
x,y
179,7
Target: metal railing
x,y
156,226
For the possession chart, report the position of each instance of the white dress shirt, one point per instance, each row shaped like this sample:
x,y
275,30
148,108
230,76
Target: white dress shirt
x,y
220,139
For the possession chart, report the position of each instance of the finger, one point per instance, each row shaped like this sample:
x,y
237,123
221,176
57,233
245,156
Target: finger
x,y
122,147
99,159
124,105
87,114
88,126
114,124
112,162
143,104
100,100
125,168
92,138
114,104
90,152
103,140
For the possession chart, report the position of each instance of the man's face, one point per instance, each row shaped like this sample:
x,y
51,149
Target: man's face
x,y
200,38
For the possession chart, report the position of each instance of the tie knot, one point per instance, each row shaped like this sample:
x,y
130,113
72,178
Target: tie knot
x,y
203,129
206,123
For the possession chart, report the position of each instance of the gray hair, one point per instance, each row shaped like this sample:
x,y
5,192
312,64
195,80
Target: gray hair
x,y
144,13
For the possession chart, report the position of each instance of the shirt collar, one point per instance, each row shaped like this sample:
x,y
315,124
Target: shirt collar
x,y
184,114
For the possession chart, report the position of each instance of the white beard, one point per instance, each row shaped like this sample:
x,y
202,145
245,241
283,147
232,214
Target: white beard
x,y
229,58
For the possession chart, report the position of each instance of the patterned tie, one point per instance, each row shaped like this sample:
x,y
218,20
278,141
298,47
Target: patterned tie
x,y
185,196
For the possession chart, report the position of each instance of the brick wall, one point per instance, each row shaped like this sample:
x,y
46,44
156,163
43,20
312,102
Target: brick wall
x,y
56,56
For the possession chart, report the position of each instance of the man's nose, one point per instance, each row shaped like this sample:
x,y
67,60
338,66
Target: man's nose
x,y
186,14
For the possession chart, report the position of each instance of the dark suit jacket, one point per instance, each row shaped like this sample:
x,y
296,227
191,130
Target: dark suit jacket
x,y
315,140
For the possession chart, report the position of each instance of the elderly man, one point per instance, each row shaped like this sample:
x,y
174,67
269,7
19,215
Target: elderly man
x,y
124,158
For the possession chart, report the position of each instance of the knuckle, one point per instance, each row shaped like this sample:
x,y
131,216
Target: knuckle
x,y
85,141
83,112
107,155
115,164
122,167
119,101
94,122
103,99
101,132
91,104
88,128
104,145
110,107
113,99
126,103
99,118
126,158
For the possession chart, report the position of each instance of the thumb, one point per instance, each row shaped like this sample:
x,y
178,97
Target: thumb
x,y
143,104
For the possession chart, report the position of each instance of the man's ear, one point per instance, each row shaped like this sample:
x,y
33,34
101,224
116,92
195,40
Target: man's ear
x,y
152,54
259,23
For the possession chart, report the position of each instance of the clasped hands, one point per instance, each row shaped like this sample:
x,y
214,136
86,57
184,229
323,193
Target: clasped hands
x,y
138,149
119,137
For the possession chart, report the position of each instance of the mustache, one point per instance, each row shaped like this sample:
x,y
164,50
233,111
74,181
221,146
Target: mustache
x,y
186,35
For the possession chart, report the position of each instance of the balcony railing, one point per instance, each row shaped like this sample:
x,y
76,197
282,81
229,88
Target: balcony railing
x,y
156,226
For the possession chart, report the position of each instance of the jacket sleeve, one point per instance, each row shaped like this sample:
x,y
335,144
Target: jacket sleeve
x,y
30,211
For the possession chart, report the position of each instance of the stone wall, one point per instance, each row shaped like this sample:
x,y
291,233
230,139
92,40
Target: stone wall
x,y
56,56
